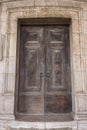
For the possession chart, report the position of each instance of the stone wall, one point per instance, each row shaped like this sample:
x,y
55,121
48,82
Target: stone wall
x,y
10,12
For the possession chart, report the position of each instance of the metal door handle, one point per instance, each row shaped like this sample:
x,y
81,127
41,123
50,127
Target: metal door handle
x,y
41,75
48,74
41,70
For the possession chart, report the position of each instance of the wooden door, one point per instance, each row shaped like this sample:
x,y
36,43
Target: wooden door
x,y
44,72
31,83
57,72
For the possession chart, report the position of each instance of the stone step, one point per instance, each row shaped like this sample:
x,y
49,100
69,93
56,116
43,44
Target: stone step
x,y
40,129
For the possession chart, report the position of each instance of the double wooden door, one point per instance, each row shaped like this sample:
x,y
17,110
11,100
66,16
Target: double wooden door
x,y
44,71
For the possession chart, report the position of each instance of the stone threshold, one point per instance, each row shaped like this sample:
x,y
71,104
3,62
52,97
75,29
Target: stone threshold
x,y
40,129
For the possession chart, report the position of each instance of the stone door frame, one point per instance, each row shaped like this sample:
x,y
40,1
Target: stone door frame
x,y
10,18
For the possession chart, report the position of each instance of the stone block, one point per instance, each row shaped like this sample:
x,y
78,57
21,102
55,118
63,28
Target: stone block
x,y
9,104
86,100
82,125
5,65
69,3
81,102
2,82
78,81
26,125
83,63
1,67
16,15
12,65
75,44
10,84
46,2
18,3
1,104
85,27
30,13
85,42
6,45
85,81
4,25
13,27
42,129
65,3
4,14
61,125
82,44
75,26
13,44
76,63
85,13
44,12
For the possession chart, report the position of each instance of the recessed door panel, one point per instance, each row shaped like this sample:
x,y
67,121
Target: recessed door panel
x,y
55,59
57,92
31,99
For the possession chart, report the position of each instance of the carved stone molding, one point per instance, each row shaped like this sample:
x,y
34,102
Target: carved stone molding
x,y
2,40
81,0
17,0
7,0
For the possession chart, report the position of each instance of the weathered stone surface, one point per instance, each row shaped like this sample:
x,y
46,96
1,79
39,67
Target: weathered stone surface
x,y
18,3
75,44
10,83
42,129
9,104
82,125
10,12
1,103
81,0
46,2
78,81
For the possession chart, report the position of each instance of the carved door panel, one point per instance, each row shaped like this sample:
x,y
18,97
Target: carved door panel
x,y
57,84
31,83
44,72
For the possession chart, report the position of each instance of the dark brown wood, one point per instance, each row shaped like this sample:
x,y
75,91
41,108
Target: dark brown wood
x,y
57,89
31,96
44,73
57,103
44,21
40,118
